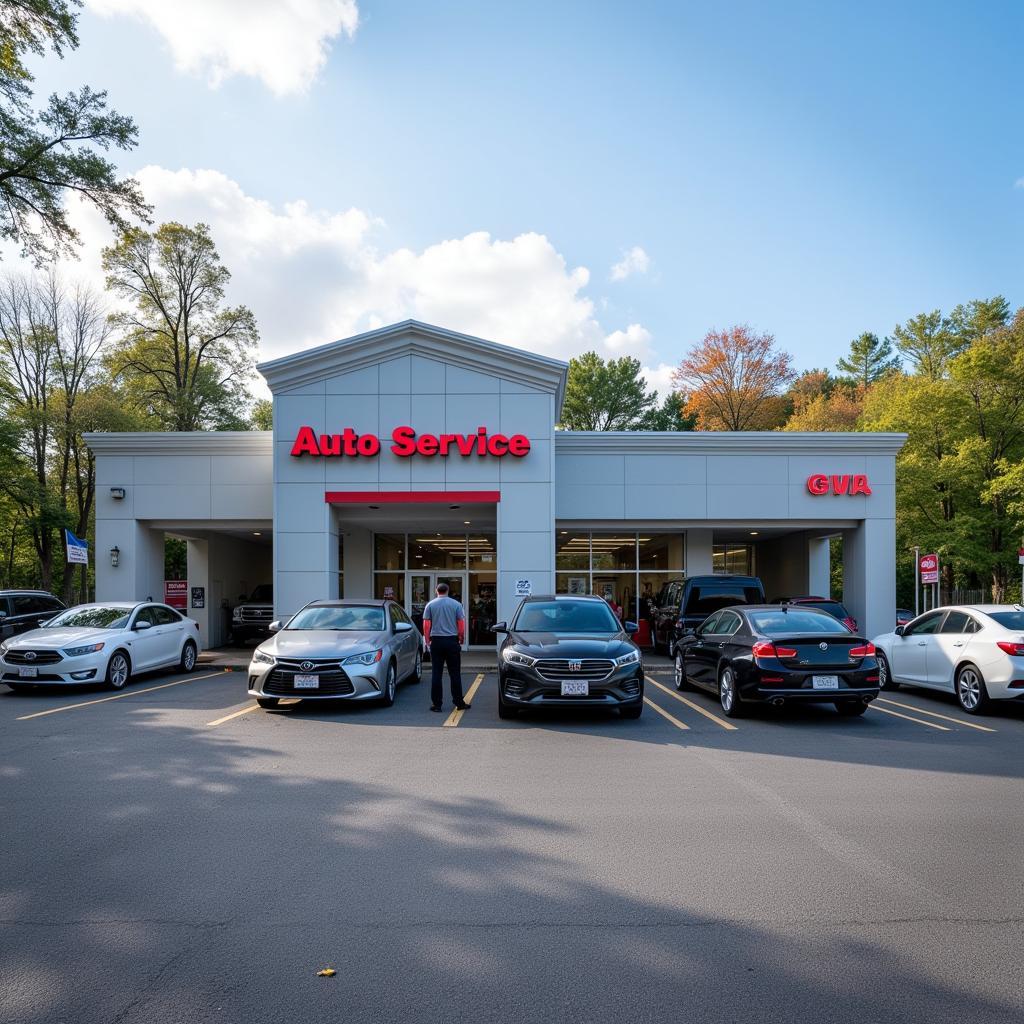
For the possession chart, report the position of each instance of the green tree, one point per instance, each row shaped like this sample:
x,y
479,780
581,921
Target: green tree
x,y
184,355
46,154
670,415
870,359
262,416
603,395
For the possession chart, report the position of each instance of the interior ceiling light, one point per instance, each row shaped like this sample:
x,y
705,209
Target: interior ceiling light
x,y
753,533
256,533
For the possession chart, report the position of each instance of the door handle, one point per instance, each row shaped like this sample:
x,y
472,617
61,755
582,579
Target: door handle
x,y
922,643
959,643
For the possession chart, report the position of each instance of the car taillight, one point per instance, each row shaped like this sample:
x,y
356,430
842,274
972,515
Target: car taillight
x,y
1010,647
766,649
867,651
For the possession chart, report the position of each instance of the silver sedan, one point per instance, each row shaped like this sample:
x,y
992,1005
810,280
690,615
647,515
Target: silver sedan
x,y
338,650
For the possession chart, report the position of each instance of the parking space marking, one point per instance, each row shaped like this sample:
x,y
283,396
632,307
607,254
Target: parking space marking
x,y
919,721
935,714
456,716
664,714
117,696
287,703
696,707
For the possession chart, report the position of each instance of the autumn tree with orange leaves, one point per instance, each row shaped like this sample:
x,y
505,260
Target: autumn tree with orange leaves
x,y
734,379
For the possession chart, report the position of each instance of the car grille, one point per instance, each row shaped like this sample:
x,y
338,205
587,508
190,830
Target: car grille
x,y
42,677
334,680
256,614
17,657
557,669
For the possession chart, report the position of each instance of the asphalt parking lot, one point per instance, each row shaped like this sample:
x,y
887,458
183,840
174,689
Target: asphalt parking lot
x,y
173,854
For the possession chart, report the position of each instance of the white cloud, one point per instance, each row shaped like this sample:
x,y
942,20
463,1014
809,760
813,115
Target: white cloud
x,y
282,42
312,276
660,378
634,261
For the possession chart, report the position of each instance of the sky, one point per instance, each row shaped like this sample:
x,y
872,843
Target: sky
x,y
566,176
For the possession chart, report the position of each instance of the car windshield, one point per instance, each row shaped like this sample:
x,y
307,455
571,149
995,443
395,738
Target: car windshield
x,y
566,617
1010,620
264,594
96,617
710,597
358,618
795,620
832,607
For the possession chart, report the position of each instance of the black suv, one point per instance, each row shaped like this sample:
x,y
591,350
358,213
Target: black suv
x,y
683,605
22,610
568,651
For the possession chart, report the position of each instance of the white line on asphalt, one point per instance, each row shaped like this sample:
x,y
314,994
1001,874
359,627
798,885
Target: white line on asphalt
x,y
919,721
664,714
117,696
935,714
696,707
456,716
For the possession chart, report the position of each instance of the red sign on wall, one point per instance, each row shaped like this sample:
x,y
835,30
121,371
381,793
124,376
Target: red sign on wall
x,y
405,442
176,593
838,483
929,568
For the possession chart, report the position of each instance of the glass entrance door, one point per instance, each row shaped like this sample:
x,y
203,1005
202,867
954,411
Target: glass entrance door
x,y
421,587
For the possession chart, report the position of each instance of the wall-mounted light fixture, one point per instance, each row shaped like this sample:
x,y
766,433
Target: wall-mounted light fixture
x,y
115,555
117,493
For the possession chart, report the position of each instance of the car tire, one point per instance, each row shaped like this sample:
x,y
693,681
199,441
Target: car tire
x,y
885,679
679,670
417,669
850,709
267,702
119,670
728,695
188,657
971,691
505,711
632,712
387,697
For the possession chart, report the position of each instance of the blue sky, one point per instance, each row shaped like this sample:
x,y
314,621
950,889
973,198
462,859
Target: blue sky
x,y
814,170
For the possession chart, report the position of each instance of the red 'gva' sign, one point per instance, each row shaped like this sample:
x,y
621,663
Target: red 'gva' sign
x,y
406,442
929,568
838,483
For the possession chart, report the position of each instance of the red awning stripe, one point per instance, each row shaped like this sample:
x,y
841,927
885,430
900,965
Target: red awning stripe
x,y
405,497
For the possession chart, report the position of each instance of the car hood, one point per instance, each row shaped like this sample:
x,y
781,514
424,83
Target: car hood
x,y
321,643
571,645
68,636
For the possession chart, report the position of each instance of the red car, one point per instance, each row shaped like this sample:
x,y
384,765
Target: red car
x,y
834,608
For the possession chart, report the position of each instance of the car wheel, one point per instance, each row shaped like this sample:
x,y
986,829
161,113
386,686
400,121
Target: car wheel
x,y
632,712
680,672
885,679
267,702
188,657
728,696
387,697
417,669
849,709
119,670
970,690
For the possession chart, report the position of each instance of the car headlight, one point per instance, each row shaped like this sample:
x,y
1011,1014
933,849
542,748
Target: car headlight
x,y
77,652
369,658
632,658
261,658
514,657
236,615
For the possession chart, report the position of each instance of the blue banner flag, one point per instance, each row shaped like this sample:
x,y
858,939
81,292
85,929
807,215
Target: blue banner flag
x,y
78,549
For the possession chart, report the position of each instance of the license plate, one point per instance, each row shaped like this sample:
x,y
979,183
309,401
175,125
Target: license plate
x,y
307,682
576,688
825,682
26,672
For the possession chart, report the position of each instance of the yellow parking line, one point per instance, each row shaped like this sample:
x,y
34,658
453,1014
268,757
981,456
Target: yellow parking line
x,y
919,721
249,708
456,716
117,696
696,707
664,714
935,714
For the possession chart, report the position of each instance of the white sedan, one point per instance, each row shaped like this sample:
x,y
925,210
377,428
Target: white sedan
x,y
94,642
974,651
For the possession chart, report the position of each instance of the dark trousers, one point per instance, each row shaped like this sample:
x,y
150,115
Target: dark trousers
x,y
445,650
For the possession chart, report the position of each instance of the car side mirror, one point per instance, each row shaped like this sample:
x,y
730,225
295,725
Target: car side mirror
x,y
499,627
142,624
898,630
631,628
403,627
275,626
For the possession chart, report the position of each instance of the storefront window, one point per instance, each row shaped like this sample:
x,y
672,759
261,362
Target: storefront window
x,y
483,551
389,551
572,550
572,583
661,551
437,552
389,586
613,550
483,606
733,559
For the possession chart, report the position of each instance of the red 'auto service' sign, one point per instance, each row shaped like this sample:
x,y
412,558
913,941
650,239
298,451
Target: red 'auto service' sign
x,y
929,568
176,593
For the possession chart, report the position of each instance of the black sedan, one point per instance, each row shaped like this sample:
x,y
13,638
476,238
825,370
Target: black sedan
x,y
764,654
568,652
